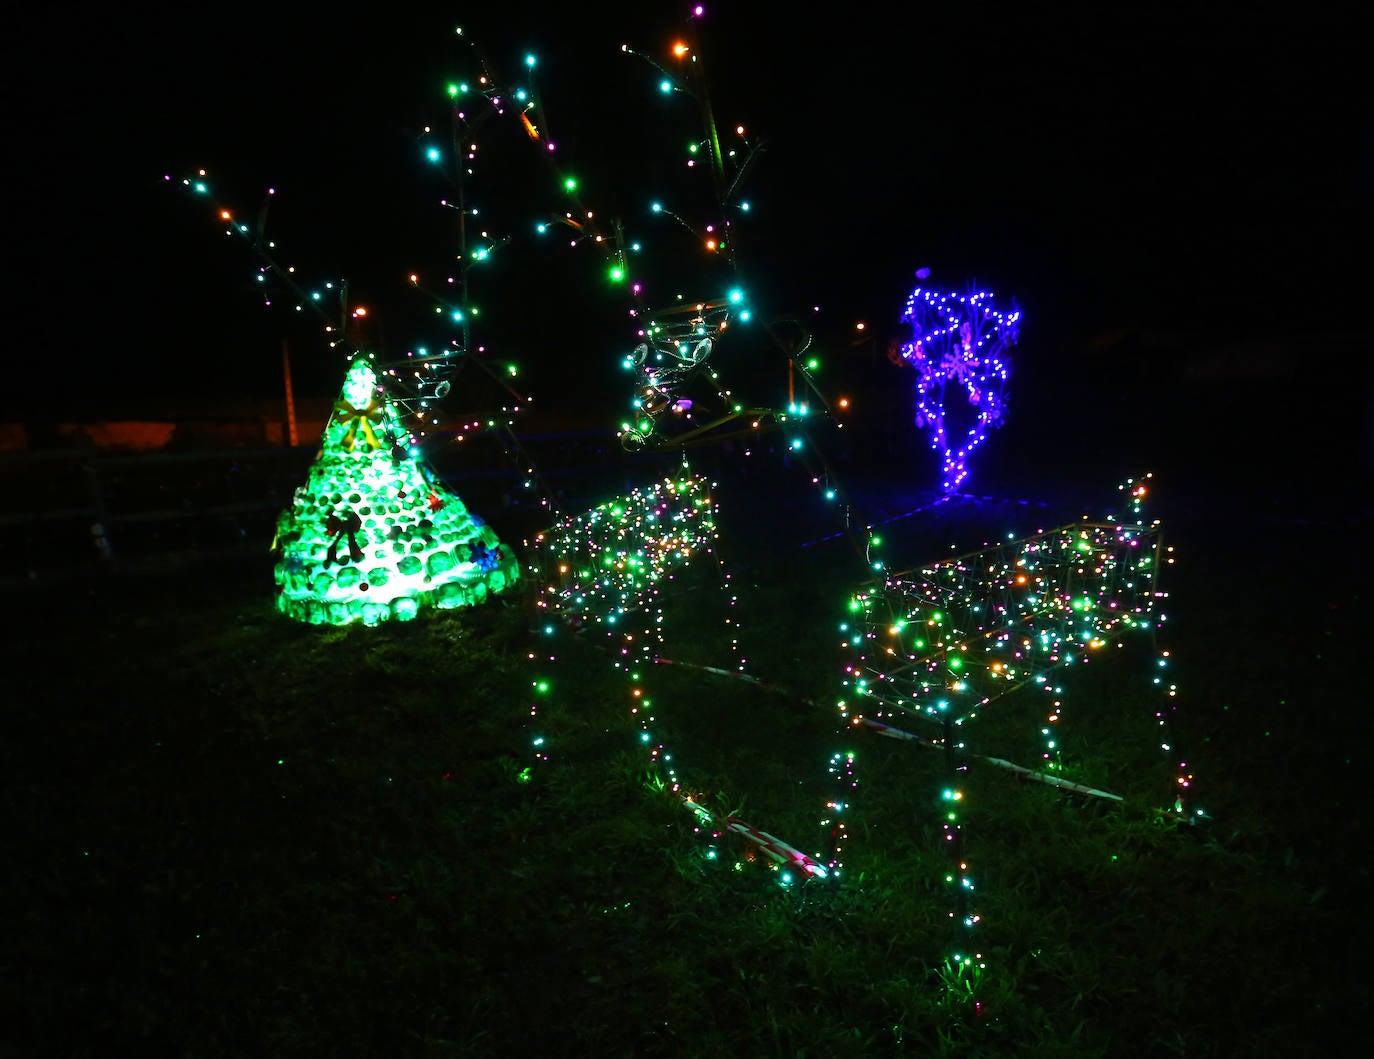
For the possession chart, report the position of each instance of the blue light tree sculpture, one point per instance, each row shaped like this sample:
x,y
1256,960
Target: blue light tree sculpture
x,y
958,341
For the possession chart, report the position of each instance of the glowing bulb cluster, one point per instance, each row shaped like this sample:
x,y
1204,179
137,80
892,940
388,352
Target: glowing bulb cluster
x,y
374,535
958,342
935,645
607,570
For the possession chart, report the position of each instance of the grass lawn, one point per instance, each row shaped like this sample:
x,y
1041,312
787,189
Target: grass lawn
x,y
229,834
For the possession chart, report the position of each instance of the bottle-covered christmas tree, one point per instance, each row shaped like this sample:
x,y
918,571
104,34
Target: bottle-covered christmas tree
x,y
374,535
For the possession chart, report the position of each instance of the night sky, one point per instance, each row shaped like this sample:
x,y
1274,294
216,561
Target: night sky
x,y
1115,169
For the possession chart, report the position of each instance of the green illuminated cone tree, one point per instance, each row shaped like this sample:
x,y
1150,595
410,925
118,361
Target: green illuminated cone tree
x,y
373,535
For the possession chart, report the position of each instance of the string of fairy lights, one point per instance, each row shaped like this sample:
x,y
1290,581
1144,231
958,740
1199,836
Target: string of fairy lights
x,y
927,650
678,397
958,342
673,345
315,299
671,353
933,647
418,382
605,572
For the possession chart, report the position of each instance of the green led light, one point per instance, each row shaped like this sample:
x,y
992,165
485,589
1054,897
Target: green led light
x,y
374,535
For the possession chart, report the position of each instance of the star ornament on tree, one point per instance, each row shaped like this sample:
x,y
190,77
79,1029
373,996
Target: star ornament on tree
x,y
958,342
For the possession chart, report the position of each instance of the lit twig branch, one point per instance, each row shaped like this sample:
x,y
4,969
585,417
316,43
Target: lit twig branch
x,y
261,247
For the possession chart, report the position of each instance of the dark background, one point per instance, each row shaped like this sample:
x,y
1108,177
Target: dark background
x,y
1175,195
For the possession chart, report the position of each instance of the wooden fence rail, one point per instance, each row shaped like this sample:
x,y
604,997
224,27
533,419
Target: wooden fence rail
x,y
75,512
68,513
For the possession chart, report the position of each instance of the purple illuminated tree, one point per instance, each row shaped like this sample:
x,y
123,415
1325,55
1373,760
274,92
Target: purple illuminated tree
x,y
958,341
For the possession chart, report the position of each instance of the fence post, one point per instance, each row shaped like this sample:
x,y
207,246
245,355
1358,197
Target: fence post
x,y
99,536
